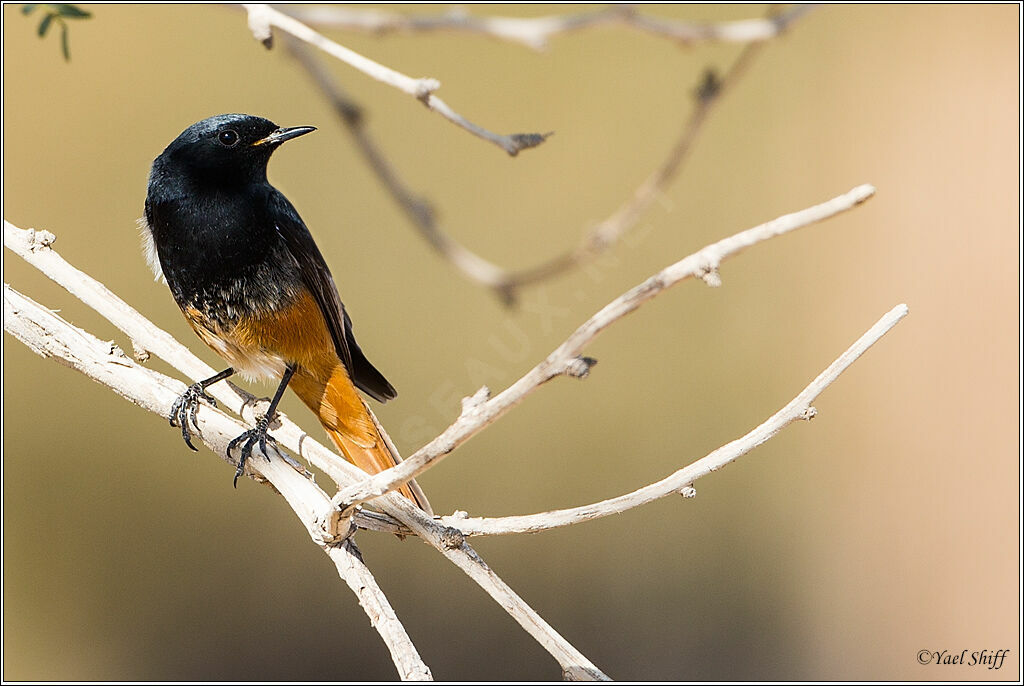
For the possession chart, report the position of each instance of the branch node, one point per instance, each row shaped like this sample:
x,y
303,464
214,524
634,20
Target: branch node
x,y
579,367
452,538
259,24
471,403
508,293
140,354
522,141
334,528
425,88
117,353
39,239
688,491
351,113
709,274
460,514
709,87
808,414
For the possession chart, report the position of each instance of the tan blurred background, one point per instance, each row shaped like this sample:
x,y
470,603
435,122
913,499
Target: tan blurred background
x,y
838,550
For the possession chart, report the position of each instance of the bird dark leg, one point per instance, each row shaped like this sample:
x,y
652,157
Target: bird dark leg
x,y
259,434
184,409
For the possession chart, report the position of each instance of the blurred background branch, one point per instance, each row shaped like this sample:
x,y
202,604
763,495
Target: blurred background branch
x,y
600,237
536,32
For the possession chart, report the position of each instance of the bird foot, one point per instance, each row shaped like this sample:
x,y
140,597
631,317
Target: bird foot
x,y
248,440
183,411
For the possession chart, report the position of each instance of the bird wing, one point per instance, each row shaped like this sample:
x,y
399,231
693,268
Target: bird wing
x,y
317,277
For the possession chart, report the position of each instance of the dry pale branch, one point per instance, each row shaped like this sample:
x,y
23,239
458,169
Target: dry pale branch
x,y
479,411
682,480
596,240
535,32
35,247
50,336
356,574
262,18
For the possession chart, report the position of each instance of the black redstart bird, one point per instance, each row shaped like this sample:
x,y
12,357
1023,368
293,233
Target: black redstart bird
x,y
248,277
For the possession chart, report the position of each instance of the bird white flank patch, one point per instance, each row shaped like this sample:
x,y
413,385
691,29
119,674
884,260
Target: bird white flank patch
x,y
149,249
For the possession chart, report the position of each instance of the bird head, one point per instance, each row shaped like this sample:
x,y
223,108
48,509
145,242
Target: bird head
x,y
227,148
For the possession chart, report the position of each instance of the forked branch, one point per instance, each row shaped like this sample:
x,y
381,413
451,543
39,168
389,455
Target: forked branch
x,y
480,410
681,481
36,248
597,238
262,18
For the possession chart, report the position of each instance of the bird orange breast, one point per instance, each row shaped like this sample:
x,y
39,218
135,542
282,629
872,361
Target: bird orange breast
x,y
262,345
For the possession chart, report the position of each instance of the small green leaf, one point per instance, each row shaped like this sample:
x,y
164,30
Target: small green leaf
x,y
71,11
27,9
44,25
64,42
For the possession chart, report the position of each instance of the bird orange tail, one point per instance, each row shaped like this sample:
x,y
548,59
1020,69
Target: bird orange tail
x,y
348,422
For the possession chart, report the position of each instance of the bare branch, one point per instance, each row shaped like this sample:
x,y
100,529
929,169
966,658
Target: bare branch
x,y
35,247
683,479
478,411
536,32
452,544
263,17
349,562
50,336
596,240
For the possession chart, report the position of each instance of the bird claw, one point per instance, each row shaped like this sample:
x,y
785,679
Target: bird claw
x,y
183,411
249,439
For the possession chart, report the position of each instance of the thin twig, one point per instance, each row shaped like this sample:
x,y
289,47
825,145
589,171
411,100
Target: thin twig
x,y
263,17
479,411
36,247
596,240
535,32
682,480
50,336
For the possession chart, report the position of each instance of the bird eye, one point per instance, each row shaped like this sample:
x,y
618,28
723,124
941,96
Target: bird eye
x,y
228,138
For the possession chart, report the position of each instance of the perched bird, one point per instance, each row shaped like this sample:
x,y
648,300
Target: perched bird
x,y
248,277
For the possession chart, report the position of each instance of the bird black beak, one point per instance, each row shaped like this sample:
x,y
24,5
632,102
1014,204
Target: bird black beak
x,y
282,135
